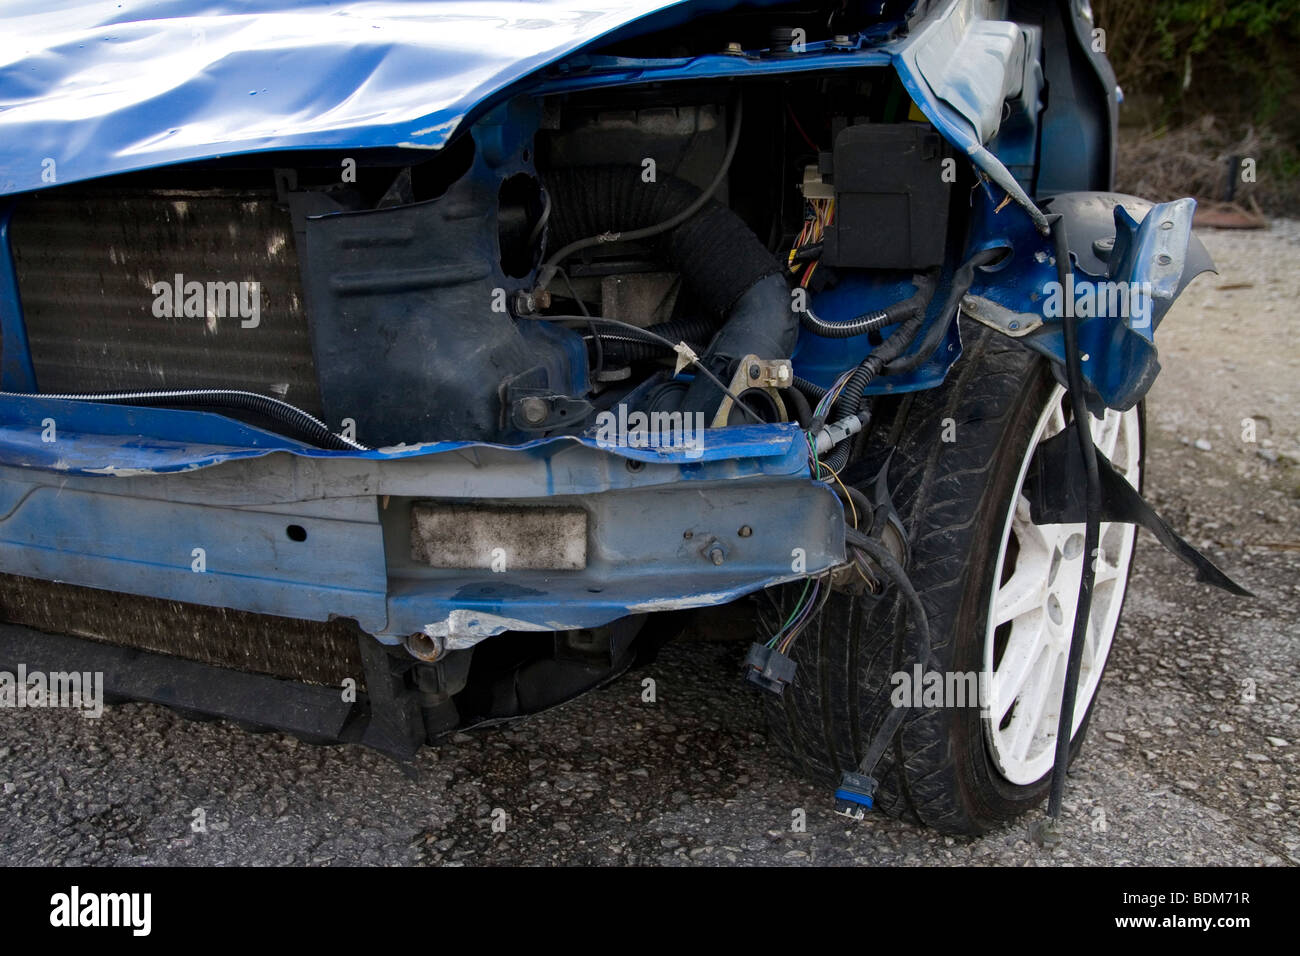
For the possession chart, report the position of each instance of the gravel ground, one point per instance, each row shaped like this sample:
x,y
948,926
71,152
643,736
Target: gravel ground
x,y
1191,758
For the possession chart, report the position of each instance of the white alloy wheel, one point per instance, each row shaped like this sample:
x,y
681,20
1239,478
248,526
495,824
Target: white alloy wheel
x,y
1032,608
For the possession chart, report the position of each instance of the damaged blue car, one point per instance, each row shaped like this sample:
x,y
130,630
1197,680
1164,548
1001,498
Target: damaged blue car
x,y
375,370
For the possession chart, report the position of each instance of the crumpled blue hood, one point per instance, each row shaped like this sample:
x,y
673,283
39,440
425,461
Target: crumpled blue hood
x,y
100,88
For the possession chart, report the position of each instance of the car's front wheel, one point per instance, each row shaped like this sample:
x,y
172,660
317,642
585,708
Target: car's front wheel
x,y
999,591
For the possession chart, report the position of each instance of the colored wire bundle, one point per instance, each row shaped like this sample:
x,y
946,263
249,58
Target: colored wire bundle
x,y
816,592
819,214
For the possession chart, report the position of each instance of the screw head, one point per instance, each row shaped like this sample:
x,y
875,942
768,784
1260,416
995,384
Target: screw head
x,y
745,531
533,410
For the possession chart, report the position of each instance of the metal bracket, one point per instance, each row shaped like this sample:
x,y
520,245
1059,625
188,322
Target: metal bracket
x,y
770,375
1000,318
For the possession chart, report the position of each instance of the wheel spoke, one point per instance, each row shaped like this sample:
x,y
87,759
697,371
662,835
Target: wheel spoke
x,y
1105,570
1036,702
1055,420
1036,539
1023,651
1107,432
1022,594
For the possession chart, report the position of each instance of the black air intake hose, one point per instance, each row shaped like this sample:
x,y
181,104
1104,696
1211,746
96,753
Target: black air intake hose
x,y
728,270
619,349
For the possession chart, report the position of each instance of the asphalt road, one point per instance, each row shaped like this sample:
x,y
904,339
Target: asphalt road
x,y
1191,758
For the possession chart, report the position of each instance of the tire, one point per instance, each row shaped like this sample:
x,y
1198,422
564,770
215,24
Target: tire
x,y
952,767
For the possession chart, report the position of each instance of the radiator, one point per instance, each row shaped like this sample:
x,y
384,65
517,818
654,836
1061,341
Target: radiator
x,y
88,261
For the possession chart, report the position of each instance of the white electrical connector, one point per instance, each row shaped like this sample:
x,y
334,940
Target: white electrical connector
x,y
836,432
813,187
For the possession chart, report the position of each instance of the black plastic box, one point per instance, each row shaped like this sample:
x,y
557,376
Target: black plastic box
x,y
891,200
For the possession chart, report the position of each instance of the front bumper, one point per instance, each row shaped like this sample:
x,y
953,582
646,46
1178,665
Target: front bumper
x,y
248,520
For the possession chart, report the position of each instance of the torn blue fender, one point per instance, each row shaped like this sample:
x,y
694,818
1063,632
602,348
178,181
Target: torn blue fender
x,y
1129,260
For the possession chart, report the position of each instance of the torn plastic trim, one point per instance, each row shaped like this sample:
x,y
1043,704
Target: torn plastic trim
x,y
92,438
463,627
934,66
1055,487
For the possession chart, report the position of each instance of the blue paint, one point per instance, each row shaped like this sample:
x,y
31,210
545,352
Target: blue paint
x,y
1122,359
822,360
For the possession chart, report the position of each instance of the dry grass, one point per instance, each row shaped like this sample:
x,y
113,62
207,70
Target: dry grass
x,y
1196,160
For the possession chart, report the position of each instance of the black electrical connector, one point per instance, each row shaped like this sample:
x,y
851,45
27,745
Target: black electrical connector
x,y
768,668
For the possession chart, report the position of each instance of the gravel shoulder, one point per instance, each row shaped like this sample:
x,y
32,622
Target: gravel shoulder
x,y
1191,758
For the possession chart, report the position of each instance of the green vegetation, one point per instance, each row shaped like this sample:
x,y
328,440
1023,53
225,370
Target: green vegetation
x,y
1213,79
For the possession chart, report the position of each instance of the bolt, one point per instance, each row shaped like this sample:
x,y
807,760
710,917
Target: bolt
x,y
755,371
841,39
533,410
745,531
688,535
423,647
716,555
734,49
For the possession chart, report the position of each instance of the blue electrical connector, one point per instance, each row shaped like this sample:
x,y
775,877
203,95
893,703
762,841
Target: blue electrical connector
x,y
855,795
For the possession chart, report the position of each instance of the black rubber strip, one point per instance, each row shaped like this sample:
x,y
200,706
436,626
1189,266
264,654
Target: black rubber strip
x,y
1055,497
